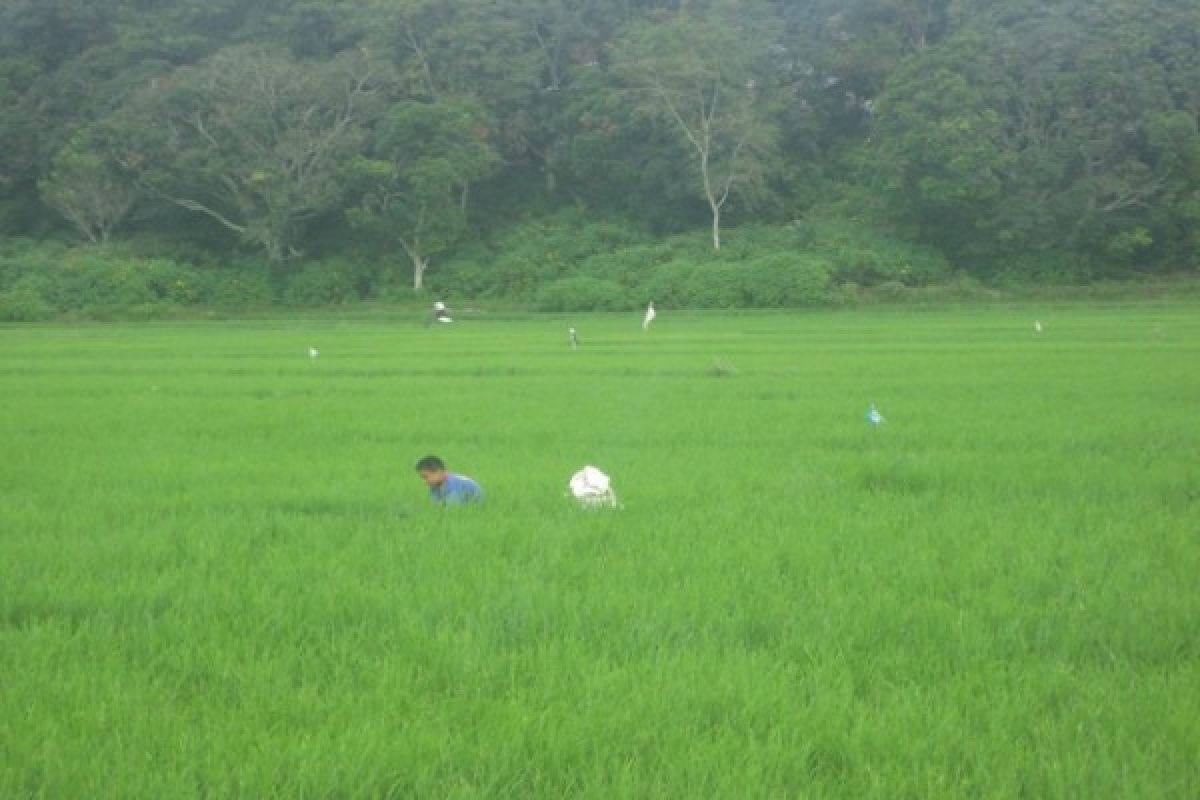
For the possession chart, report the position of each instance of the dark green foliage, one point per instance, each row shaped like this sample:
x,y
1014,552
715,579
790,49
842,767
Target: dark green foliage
x,y
788,280
1048,128
632,266
583,293
779,280
539,251
507,146
107,283
24,303
41,280
413,192
860,253
323,283
234,289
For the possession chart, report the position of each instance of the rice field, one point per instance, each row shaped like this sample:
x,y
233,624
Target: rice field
x,y
221,577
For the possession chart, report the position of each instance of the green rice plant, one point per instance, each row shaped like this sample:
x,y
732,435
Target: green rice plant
x,y
221,577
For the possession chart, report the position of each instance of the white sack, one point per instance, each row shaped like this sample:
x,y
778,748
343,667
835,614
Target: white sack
x,y
591,487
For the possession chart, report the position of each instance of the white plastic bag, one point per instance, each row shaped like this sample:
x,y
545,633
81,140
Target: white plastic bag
x,y
593,489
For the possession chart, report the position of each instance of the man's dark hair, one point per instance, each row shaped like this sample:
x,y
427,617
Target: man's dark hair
x,y
430,464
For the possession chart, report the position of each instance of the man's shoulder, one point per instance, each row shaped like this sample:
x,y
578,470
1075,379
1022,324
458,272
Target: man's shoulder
x,y
461,484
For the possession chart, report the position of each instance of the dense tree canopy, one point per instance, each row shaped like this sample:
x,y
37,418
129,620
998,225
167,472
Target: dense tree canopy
x,y
1040,136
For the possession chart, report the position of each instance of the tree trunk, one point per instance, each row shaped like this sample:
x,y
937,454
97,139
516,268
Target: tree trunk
x,y
274,248
419,266
716,225
413,248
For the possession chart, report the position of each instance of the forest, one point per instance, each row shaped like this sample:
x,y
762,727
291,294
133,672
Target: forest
x,y
589,154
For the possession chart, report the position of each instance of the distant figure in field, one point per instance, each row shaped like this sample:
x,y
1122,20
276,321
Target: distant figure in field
x,y
573,337
650,315
440,312
447,488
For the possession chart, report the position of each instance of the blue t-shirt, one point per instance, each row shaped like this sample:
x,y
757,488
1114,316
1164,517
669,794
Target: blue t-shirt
x,y
456,490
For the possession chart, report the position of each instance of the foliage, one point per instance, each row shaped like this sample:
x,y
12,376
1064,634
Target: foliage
x,y
24,303
322,283
251,138
704,74
1046,130
583,293
89,191
415,192
779,280
242,287
1015,139
542,250
788,280
861,253
630,266
40,280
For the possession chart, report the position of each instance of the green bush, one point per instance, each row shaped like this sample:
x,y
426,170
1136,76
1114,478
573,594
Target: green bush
x,y
862,254
786,280
583,293
322,283
542,250
21,258
717,286
101,283
152,245
749,242
632,266
24,304
233,289
780,280
46,278
465,273
627,267
671,284
1045,267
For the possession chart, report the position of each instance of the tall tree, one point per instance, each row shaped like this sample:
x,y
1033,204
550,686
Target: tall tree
x,y
252,139
91,192
704,72
1044,130
424,153
460,48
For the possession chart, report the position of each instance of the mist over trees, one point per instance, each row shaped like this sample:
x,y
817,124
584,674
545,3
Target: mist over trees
x,y
1045,138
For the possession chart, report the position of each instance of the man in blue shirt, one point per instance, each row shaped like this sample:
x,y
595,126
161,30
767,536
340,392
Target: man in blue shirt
x,y
447,488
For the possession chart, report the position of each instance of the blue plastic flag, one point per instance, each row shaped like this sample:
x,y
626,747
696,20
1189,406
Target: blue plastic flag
x,y
874,417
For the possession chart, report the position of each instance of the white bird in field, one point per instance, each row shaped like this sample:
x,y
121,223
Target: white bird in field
x,y
1037,326
874,417
573,337
650,315
313,352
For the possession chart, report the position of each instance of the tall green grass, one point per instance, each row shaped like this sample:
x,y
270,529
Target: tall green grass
x,y
220,577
